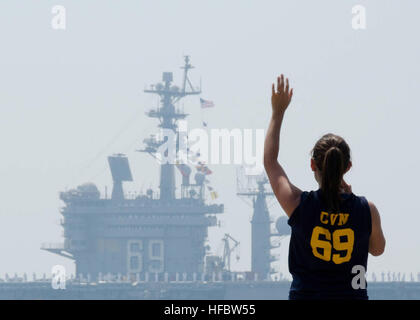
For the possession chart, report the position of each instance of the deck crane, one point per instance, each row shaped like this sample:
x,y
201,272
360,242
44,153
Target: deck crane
x,y
227,251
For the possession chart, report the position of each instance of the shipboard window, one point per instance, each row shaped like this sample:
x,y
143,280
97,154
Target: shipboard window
x,y
156,249
134,262
134,247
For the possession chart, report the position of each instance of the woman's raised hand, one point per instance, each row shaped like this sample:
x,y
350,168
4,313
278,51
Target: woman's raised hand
x,y
281,98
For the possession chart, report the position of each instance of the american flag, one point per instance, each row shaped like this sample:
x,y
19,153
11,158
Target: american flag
x,y
206,103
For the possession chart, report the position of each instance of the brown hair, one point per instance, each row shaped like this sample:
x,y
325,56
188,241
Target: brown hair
x,y
332,156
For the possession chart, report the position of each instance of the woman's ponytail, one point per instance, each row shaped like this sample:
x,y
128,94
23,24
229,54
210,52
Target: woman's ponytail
x,y
332,174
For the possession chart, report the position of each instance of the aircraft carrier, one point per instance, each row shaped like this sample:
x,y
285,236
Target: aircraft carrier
x,y
154,245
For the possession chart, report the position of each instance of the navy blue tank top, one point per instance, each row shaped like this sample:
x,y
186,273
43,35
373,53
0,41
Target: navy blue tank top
x,y
325,246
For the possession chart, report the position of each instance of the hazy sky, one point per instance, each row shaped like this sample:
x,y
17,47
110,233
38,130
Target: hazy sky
x,y
70,98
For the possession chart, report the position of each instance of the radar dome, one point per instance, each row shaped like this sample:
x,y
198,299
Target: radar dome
x,y
282,227
89,189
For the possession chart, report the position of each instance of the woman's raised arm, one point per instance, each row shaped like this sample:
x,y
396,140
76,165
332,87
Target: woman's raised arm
x,y
286,193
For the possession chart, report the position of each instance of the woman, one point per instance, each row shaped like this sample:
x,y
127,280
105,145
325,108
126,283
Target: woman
x,y
332,229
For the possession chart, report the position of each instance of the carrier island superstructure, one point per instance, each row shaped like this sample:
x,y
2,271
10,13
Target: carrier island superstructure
x,y
154,233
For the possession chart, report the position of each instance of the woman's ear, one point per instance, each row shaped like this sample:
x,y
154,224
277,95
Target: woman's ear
x,y
313,164
349,166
